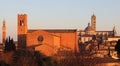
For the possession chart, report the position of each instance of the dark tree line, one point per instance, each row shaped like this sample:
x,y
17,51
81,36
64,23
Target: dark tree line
x,y
2,63
25,57
32,58
9,44
117,48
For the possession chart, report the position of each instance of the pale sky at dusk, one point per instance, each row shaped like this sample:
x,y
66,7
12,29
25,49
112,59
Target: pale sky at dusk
x,y
60,14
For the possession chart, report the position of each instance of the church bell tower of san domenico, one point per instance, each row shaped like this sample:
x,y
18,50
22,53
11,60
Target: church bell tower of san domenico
x,y
22,30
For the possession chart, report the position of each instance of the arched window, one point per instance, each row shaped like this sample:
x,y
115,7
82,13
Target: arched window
x,y
21,23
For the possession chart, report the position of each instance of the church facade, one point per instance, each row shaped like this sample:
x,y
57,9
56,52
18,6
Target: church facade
x,y
48,41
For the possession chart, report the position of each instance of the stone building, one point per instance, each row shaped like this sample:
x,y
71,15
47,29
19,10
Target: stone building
x,y
102,42
87,34
48,41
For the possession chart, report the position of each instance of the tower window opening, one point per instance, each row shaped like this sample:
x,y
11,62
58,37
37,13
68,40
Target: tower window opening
x,y
21,23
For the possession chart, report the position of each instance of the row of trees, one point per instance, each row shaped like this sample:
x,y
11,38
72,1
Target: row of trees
x,y
29,58
117,48
9,44
24,57
32,58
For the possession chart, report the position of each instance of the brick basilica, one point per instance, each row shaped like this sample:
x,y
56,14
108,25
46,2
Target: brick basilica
x,y
48,41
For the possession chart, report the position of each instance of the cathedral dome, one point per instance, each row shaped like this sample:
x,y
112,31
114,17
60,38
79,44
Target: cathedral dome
x,y
88,28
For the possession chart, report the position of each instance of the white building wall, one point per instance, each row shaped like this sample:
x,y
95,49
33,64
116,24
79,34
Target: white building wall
x,y
113,38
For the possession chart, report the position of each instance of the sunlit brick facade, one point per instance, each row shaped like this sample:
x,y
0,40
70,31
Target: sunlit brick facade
x,y
48,41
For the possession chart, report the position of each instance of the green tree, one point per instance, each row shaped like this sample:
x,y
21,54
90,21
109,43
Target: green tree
x,y
43,60
108,51
9,44
100,41
23,58
31,58
2,63
117,47
94,37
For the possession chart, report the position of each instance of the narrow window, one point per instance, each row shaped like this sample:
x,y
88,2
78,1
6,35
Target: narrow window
x,y
21,23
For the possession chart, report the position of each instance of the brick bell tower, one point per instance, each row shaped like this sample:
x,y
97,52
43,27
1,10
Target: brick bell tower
x,y
22,30
3,32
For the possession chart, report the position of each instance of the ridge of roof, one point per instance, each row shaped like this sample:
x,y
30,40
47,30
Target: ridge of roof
x,y
54,30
